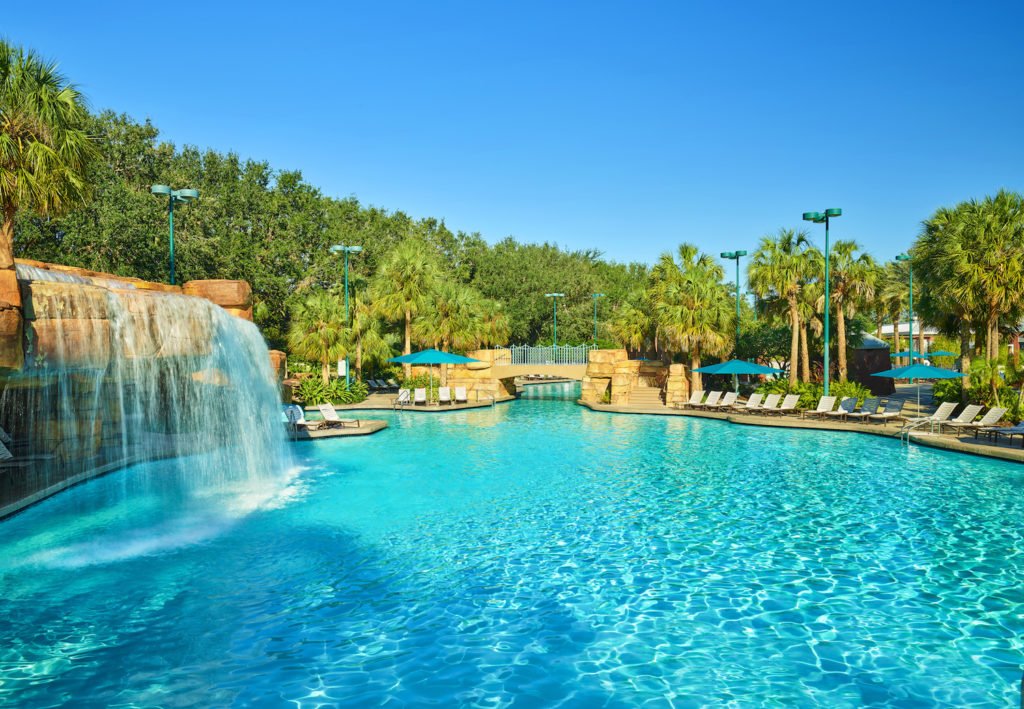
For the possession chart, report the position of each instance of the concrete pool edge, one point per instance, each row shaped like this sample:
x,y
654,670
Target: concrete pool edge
x,y
980,448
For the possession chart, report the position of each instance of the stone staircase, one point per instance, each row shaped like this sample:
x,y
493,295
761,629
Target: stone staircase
x,y
646,397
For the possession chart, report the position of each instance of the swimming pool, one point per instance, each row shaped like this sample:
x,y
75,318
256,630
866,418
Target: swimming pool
x,y
532,554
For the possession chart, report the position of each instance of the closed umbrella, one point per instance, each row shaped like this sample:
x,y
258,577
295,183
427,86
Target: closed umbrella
x,y
430,358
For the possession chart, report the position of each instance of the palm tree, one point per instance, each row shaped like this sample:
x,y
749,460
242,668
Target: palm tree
x,y
630,322
45,151
779,269
893,296
691,305
367,336
403,284
853,284
317,332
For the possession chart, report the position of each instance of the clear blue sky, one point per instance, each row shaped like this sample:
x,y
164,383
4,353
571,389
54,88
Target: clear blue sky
x,y
626,126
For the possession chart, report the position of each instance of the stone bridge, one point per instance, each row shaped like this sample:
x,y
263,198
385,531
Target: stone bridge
x,y
563,371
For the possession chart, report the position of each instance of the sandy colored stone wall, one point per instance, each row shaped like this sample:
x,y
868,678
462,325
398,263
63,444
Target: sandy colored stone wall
x,y
233,296
601,366
677,384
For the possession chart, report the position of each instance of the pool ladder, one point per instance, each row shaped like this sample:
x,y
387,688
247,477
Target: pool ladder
x,y
907,430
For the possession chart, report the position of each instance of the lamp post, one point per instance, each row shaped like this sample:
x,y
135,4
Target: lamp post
x,y
736,256
173,197
823,218
596,296
339,248
905,258
554,310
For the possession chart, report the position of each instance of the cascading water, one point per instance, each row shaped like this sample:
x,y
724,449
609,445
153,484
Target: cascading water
x,y
119,376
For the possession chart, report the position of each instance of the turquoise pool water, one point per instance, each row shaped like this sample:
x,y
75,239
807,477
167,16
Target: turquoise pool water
x,y
533,554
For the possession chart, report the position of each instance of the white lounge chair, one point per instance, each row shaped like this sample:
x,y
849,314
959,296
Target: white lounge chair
x,y
751,403
941,414
968,415
461,396
771,403
404,398
892,411
787,406
419,397
846,406
331,417
726,401
695,399
444,395
297,419
711,401
825,405
991,416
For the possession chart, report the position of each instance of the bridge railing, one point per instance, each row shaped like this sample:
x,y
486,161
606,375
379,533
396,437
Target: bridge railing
x,y
528,354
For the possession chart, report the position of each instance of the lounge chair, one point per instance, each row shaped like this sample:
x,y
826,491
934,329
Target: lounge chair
x,y
788,406
392,384
404,398
771,403
941,414
868,408
994,432
695,399
825,405
419,396
296,418
710,402
331,417
968,415
726,401
991,417
444,395
892,411
847,405
461,396
751,404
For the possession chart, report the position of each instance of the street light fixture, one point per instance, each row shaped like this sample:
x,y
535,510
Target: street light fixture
x,y
736,256
823,218
554,309
905,258
339,248
596,296
173,197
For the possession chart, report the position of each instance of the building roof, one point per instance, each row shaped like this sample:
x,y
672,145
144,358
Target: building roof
x,y
870,342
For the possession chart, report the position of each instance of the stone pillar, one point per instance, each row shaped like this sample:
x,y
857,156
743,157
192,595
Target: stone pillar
x,y
677,385
12,356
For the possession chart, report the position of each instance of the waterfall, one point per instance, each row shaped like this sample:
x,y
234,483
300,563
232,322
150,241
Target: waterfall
x,y
117,376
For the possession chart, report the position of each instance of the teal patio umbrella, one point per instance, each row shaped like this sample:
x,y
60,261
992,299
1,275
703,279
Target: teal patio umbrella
x,y
919,371
906,353
737,366
430,358
941,353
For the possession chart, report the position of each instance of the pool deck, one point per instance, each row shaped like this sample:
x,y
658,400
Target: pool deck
x,y
965,444
366,427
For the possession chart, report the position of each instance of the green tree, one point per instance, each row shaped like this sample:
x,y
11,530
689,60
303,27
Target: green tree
x,y
853,285
691,305
778,270
317,332
45,150
402,287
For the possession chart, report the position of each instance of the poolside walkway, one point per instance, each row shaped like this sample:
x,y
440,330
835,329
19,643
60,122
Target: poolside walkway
x,y
386,402
965,444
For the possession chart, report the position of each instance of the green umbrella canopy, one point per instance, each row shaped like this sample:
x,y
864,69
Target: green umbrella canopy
x,y
737,366
432,357
919,371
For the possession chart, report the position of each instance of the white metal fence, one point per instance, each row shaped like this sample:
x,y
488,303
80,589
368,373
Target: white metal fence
x,y
527,354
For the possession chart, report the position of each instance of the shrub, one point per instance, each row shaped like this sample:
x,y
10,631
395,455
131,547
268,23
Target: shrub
x,y
811,392
311,392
